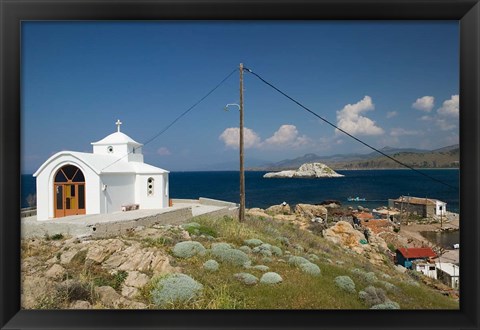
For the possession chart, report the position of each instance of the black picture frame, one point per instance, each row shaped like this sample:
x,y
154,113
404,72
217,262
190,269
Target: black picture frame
x,y
13,12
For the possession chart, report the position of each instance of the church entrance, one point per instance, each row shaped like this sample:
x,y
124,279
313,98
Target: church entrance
x,y
69,191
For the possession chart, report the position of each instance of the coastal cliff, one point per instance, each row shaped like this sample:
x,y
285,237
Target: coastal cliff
x,y
309,170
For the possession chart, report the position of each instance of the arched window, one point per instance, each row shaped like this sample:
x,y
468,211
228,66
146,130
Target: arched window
x,y
150,186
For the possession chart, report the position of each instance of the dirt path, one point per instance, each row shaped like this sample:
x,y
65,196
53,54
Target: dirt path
x,y
412,233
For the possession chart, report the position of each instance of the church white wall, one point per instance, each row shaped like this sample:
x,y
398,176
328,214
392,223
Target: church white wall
x,y
119,191
45,193
159,198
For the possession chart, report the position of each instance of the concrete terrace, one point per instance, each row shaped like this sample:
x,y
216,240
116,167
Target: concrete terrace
x,y
117,223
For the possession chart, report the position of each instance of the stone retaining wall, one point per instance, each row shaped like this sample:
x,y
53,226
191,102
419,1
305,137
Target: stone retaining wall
x,y
215,202
108,229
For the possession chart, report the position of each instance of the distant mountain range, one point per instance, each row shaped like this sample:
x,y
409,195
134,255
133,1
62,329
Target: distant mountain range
x,y
446,157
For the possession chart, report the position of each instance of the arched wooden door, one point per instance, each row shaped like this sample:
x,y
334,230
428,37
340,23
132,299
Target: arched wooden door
x,y
69,191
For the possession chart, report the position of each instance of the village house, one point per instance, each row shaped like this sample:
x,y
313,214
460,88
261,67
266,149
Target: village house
x,y
424,207
428,269
112,178
405,256
449,274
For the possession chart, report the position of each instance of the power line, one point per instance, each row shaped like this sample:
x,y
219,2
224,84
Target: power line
x,y
350,135
176,119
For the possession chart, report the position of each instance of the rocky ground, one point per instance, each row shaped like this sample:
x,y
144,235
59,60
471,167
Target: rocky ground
x,y
61,272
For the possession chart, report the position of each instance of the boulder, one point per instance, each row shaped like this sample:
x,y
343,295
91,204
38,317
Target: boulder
x,y
343,234
129,292
80,304
136,279
257,212
111,299
35,288
309,211
140,259
104,248
279,209
68,255
56,272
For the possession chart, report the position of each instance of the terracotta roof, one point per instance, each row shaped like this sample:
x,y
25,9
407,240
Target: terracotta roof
x,y
377,225
412,253
364,215
417,200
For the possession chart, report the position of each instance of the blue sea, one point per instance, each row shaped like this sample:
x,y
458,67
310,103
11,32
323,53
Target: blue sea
x,y
376,186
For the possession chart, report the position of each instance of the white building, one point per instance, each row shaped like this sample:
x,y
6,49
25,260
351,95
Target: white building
x,y
449,274
426,268
114,175
425,207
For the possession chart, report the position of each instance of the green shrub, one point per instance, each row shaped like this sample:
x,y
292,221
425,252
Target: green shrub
x,y
387,305
194,228
389,286
370,277
221,246
262,268
373,296
77,291
156,242
312,257
225,253
391,247
266,260
245,249
246,278
284,240
310,269
345,283
114,280
264,249
271,278
210,265
191,225
56,237
297,261
176,288
276,251
188,249
253,242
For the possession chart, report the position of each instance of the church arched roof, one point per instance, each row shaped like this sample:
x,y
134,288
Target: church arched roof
x,y
102,164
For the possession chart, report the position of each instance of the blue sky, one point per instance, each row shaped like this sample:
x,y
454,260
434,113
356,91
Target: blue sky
x,y
388,83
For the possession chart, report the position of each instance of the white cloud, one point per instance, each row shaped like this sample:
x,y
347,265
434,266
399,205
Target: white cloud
x,y
445,125
163,151
450,108
286,135
231,136
426,118
425,103
401,132
391,114
350,120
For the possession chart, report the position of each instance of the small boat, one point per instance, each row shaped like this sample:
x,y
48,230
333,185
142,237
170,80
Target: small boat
x,y
356,199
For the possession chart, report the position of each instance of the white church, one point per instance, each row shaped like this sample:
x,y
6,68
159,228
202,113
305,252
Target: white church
x,y
111,178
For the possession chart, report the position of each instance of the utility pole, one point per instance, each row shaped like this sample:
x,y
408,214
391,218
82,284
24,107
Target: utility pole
x,y
241,212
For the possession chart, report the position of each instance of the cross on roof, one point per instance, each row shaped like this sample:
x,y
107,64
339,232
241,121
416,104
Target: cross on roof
x,y
118,123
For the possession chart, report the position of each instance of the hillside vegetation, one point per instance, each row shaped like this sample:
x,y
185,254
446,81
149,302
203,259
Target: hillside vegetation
x,y
215,264
448,159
